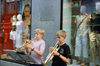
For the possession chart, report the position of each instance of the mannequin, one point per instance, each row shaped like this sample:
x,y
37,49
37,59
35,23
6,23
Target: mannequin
x,y
19,30
97,18
95,33
98,7
96,30
81,41
14,23
13,31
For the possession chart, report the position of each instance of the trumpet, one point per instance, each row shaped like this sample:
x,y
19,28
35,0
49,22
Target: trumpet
x,y
50,55
22,47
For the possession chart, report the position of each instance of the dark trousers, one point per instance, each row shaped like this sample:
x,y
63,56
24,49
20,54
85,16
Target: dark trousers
x,y
35,65
59,64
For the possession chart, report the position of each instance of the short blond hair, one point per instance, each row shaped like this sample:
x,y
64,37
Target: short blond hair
x,y
40,31
61,33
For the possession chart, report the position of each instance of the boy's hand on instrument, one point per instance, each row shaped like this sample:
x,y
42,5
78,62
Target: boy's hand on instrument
x,y
29,46
55,53
50,49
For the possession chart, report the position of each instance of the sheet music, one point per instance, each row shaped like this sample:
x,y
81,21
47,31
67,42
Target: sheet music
x,y
13,54
22,57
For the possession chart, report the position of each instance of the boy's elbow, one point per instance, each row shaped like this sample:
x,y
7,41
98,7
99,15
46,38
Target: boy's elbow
x,y
41,54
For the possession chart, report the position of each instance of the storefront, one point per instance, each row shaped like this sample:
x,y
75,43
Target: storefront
x,y
8,9
53,15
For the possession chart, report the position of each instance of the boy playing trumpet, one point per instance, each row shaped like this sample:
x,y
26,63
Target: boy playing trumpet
x,y
36,49
62,56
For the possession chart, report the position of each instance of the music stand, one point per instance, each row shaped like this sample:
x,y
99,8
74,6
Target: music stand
x,y
18,56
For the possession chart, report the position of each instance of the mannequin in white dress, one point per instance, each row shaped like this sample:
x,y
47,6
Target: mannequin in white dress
x,y
19,30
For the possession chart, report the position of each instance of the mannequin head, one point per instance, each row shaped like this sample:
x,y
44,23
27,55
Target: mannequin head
x,y
98,7
14,18
19,17
83,10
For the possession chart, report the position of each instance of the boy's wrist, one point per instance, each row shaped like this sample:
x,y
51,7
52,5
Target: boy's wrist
x,y
32,49
59,54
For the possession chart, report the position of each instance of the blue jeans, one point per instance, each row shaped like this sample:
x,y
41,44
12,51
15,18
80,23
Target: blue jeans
x,y
81,47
